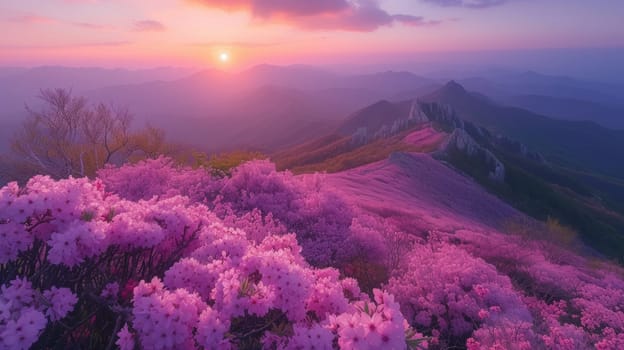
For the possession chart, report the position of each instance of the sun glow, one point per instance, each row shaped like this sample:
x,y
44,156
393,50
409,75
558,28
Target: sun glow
x,y
224,57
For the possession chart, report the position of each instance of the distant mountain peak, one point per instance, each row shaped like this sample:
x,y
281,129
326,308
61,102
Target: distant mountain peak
x,y
379,104
454,87
531,73
380,115
451,91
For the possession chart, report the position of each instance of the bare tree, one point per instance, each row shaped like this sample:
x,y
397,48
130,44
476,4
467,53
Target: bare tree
x,y
107,131
47,138
68,137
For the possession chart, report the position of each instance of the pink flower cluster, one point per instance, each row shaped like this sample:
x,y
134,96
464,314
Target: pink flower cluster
x,y
446,289
164,319
61,302
156,177
378,325
489,290
23,312
319,217
246,261
229,278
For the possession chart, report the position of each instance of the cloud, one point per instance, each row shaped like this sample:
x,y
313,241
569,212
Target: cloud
x,y
87,25
467,3
239,44
102,44
416,21
32,19
37,19
149,26
71,46
348,15
271,8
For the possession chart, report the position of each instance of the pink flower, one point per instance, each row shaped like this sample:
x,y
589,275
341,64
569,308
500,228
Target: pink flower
x,y
110,290
125,339
315,337
14,238
61,300
211,330
483,314
23,332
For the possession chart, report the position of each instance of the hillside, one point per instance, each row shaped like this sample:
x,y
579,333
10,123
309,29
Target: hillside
x,y
264,108
414,188
512,170
570,109
405,252
576,145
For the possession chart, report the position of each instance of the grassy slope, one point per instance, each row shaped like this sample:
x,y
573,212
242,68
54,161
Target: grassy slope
x,y
582,187
335,153
589,202
544,192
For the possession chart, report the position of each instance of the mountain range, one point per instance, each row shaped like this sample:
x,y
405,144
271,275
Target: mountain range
x,y
265,107
520,135
511,152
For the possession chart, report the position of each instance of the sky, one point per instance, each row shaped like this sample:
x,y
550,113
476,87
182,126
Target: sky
x,y
238,33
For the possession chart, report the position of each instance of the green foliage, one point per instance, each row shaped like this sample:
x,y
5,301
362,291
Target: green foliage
x,y
223,163
87,216
559,233
554,196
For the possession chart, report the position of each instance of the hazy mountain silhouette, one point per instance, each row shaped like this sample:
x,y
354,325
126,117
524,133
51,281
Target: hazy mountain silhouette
x,y
574,144
375,116
264,107
267,107
570,109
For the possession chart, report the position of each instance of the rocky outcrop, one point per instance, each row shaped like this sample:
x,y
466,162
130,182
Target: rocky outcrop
x,y
461,144
515,147
445,118
383,120
417,115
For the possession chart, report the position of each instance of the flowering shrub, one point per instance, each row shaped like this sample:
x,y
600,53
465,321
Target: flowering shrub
x,y
256,194
156,177
25,312
320,218
262,259
85,266
486,290
72,245
445,289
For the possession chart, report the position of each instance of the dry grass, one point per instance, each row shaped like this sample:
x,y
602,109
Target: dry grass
x,y
339,155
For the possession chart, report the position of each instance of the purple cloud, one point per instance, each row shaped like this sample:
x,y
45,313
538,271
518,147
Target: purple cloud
x,y
149,26
30,19
87,25
349,15
467,3
271,8
415,21
239,44
37,19
70,46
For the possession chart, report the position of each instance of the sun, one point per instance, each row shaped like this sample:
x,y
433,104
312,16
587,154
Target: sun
x,y
224,57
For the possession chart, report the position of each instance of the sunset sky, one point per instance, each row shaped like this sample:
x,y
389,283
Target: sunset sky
x,y
141,33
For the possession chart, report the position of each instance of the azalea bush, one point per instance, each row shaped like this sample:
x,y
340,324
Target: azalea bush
x,y
107,263
320,217
487,290
156,256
